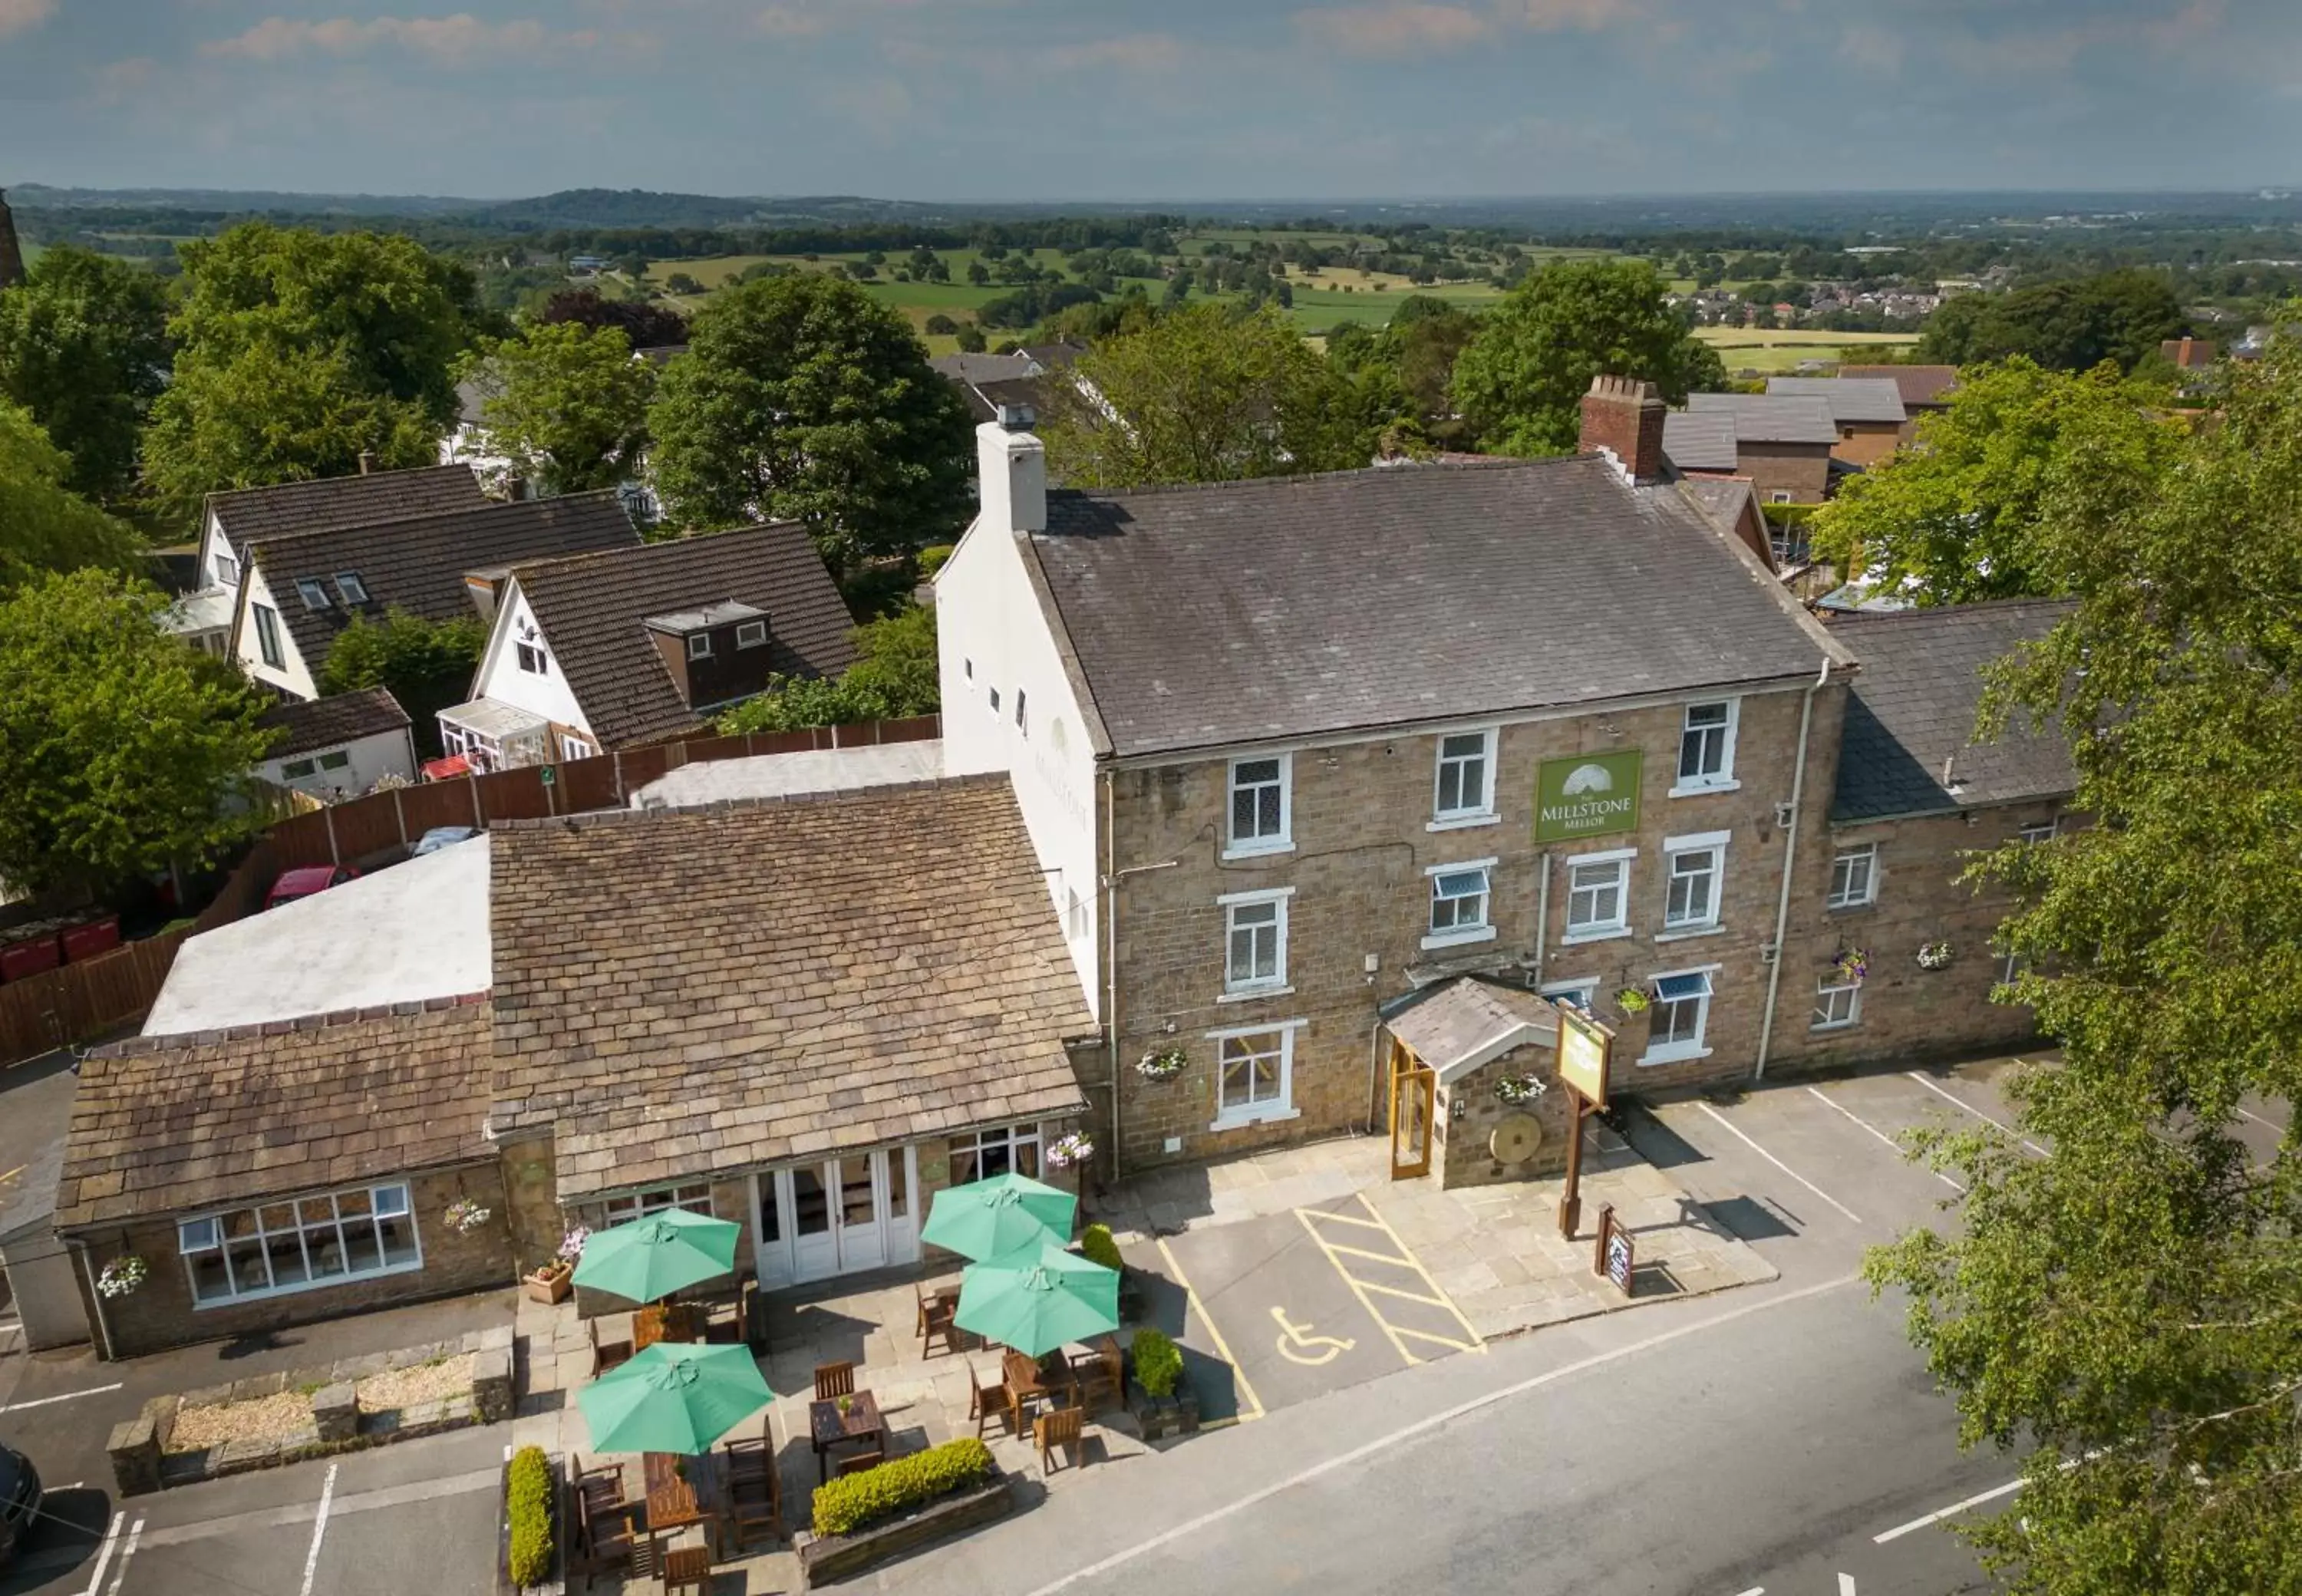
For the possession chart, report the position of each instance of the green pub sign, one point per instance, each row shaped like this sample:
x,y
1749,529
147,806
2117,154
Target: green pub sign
x,y
1586,794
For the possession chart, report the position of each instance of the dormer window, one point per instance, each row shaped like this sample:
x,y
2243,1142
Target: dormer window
x,y
751,634
699,645
314,593
349,584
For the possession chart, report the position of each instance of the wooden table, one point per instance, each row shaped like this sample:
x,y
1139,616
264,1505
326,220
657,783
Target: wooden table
x,y
1040,1379
667,1322
682,1491
827,1427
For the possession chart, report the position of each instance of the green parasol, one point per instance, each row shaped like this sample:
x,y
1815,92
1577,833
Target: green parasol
x,y
987,1219
673,1397
650,1258
1038,1298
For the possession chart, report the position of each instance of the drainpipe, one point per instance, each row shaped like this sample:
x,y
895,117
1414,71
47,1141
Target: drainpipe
x,y
1541,917
1110,939
1789,862
95,1298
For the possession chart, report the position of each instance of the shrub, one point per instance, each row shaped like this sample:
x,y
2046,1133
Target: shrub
x,y
1096,1246
1158,1362
942,325
530,1511
846,1504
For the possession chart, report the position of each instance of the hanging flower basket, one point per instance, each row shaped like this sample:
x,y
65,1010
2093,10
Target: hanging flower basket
x,y
1852,966
1519,1089
121,1276
1162,1063
1934,955
1633,1000
463,1216
571,1245
1068,1150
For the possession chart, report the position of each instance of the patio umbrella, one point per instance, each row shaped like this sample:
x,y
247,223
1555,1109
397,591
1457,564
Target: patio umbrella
x,y
673,1397
1038,1298
649,1258
987,1219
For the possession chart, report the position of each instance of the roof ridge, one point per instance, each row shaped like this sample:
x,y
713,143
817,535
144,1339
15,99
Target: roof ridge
x,y
1395,468
684,540
1926,611
431,517
144,1046
213,494
609,818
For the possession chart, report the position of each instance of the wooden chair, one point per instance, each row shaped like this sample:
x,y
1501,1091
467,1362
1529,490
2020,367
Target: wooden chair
x,y
939,1321
608,1541
833,1380
986,1402
606,1355
856,1463
686,1568
1061,1428
1100,1375
755,1491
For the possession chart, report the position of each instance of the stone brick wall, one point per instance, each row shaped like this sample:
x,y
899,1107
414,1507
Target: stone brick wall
x,y
1469,1111
1803,469
532,1202
1868,442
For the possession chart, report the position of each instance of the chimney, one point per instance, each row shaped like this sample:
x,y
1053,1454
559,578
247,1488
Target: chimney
x,y
1622,417
12,257
1011,475
368,461
516,489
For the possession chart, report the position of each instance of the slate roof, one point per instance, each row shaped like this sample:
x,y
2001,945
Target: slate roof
x,y
1699,442
592,609
418,564
171,1124
778,980
1294,607
964,367
307,725
1456,1023
1911,713
287,509
1769,418
1851,400
1921,386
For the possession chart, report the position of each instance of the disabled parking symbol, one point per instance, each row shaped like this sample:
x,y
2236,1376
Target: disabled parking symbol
x,y
1297,1345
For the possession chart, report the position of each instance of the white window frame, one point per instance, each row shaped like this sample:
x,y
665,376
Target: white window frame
x,y
751,634
335,759
1600,930
1232,903
695,1195
1022,711
994,701
2042,831
298,770
217,1242
1711,844
1584,991
1778,495
1692,1048
699,645
1022,1145
2011,966
353,591
1281,841
1269,1110
572,747
1721,781
1845,854
523,652
267,636
1837,1004
1075,917
1481,810
1460,934
314,592
227,569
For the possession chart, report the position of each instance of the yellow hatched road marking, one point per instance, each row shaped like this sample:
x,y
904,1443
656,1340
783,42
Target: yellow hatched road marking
x,y
1360,1252
1357,1290
1444,1341
1436,1302
1348,1218
1478,1343
1192,1304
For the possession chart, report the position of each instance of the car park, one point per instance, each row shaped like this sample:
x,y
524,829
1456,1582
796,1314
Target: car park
x,y
20,1501
442,836
305,880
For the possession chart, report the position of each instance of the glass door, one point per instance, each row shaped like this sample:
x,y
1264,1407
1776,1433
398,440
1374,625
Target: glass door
x,y
860,1180
815,1247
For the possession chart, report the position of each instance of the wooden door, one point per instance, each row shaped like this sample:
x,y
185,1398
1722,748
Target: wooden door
x,y
1413,1094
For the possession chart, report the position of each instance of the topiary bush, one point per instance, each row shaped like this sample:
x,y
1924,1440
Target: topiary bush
x,y
1158,1362
1096,1246
528,1491
843,1505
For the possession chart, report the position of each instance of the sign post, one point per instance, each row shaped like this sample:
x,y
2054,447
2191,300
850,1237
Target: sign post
x,y
1585,1048
1614,1257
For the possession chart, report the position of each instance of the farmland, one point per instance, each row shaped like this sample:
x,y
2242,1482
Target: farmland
x,y
1768,352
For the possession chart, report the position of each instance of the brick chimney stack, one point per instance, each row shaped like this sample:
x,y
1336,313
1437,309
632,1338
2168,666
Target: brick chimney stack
x,y
1623,416
12,255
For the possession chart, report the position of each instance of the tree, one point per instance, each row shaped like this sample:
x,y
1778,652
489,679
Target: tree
x,y
44,525
940,326
119,746
647,326
1520,382
971,337
566,402
428,665
1201,395
896,675
1953,520
2073,324
2130,1304
803,398
84,347
681,282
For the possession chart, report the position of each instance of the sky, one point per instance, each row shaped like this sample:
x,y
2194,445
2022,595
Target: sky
x,y
1151,99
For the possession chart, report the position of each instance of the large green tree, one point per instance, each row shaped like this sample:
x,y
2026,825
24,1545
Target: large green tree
x,y
803,398
120,747
1521,380
427,665
44,525
2130,1305
895,675
84,347
566,402
2071,324
1955,519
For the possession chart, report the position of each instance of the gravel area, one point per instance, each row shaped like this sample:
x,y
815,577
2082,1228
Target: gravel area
x,y
426,1382
199,1428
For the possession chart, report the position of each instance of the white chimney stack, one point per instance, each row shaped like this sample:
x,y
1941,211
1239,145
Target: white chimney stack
x,y
1010,475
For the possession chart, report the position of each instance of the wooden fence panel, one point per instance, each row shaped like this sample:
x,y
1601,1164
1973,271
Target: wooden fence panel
x,y
303,840
766,743
643,765
515,795
243,890
438,803
587,784
80,1002
367,827
714,748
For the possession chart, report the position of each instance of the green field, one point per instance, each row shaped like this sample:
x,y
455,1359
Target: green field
x,y
1758,350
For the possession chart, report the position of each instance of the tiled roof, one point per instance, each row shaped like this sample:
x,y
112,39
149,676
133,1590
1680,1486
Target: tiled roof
x,y
776,981
1456,1023
1919,385
307,725
1699,442
1294,607
288,508
1869,400
1770,418
1911,716
418,564
165,1125
592,609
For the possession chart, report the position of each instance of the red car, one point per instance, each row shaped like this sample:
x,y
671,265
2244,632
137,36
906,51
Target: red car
x,y
305,880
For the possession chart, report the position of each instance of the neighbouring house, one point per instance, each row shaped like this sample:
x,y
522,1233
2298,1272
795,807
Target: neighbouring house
x,y
301,590
638,644
470,444
2188,353
1925,388
1781,445
1012,384
1868,412
338,746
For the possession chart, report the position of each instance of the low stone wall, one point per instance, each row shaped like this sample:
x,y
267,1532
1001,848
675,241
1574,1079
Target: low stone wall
x,y
831,1558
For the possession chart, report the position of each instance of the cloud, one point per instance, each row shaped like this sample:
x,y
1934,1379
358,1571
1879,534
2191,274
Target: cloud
x,y
454,41
790,22
1129,52
1397,30
22,16
1590,16
1875,49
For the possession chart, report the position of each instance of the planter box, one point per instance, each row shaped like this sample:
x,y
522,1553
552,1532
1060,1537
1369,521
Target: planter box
x,y
832,1558
549,1288
1160,1417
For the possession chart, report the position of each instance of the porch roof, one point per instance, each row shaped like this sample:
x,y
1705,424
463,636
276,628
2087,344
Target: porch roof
x,y
1460,1027
493,719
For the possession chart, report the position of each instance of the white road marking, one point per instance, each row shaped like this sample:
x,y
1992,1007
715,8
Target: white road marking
x,y
104,1555
119,1574
1825,1098
1845,1584
2258,1119
1975,1500
1778,1163
1988,1120
357,1501
1756,1591
319,1529
1405,1433
94,1390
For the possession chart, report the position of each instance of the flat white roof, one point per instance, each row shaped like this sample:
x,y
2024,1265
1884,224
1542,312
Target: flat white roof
x,y
493,718
206,611
790,774
413,931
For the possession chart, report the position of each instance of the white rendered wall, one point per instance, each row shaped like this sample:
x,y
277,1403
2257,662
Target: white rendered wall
x,y
290,676
500,678
386,754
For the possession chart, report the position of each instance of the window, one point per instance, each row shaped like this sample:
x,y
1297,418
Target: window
x,y
1582,994
227,570
994,701
296,769
1075,916
1255,942
695,1197
1836,1006
298,1245
699,645
451,738
2041,831
1014,1150
1023,717
2011,967
1459,903
751,634
313,591
574,748
1854,875
1680,1007
1778,496
354,590
531,658
336,760
1598,889
1706,748
969,665
267,636
1692,868
1254,1076
1466,769
1259,816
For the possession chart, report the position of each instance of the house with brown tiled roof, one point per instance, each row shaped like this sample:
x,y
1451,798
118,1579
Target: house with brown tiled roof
x,y
1925,388
338,746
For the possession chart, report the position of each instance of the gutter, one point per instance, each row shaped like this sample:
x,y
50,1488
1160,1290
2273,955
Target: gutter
x,y
95,1297
1790,863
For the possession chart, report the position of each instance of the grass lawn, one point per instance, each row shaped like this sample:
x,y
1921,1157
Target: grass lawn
x,y
1758,350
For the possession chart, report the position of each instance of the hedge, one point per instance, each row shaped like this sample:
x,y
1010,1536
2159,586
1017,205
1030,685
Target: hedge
x,y
1158,1362
853,1501
530,1507
1096,1246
